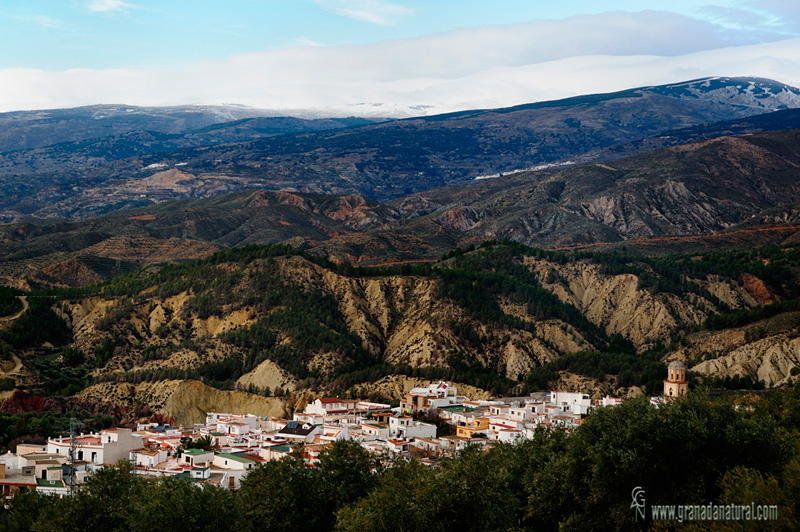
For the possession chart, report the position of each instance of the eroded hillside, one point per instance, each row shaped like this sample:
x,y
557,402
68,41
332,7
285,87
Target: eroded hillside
x,y
273,321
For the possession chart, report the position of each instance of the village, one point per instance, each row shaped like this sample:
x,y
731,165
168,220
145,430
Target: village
x,y
222,450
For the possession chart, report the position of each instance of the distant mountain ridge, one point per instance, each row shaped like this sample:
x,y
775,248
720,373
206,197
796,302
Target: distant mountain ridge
x,y
24,130
753,93
381,161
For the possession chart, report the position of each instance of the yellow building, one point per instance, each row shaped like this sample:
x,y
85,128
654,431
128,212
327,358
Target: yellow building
x,y
477,424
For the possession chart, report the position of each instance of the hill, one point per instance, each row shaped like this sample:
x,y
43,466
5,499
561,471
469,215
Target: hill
x,y
675,197
503,318
380,161
75,253
727,192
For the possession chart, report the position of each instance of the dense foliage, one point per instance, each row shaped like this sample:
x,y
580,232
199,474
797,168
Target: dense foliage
x,y
688,451
38,425
38,325
751,315
9,301
630,369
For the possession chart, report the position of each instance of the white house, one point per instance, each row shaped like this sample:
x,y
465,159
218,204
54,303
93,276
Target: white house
x,y
610,401
108,447
148,457
196,458
436,395
309,417
234,467
522,414
572,403
275,452
375,430
509,435
332,433
396,446
504,423
331,406
297,432
406,427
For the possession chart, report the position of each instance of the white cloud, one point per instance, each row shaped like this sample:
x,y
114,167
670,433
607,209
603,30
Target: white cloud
x,y
372,11
786,13
489,66
108,6
768,16
42,20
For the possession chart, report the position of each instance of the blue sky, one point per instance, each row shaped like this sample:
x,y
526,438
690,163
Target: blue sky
x,y
61,34
320,53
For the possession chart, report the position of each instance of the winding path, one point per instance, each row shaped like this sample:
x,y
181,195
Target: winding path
x,y
25,307
8,319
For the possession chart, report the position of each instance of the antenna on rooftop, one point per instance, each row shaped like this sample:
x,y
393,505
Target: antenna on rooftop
x,y
74,425
133,461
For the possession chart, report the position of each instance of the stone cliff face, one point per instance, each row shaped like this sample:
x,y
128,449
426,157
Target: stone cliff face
x,y
769,359
767,350
187,402
618,305
403,320
192,400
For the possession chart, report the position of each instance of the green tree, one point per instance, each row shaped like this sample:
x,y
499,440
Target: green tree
x,y
170,504
204,442
403,501
350,471
25,510
283,495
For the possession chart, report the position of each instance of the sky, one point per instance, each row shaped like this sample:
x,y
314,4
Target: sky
x,y
383,57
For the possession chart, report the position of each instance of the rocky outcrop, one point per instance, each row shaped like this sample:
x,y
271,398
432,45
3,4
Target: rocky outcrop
x,y
460,219
733,294
267,375
758,290
766,350
617,303
215,325
399,319
187,402
154,394
769,359
403,320
191,400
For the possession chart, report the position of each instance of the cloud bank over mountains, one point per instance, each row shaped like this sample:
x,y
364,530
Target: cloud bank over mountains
x,y
488,66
